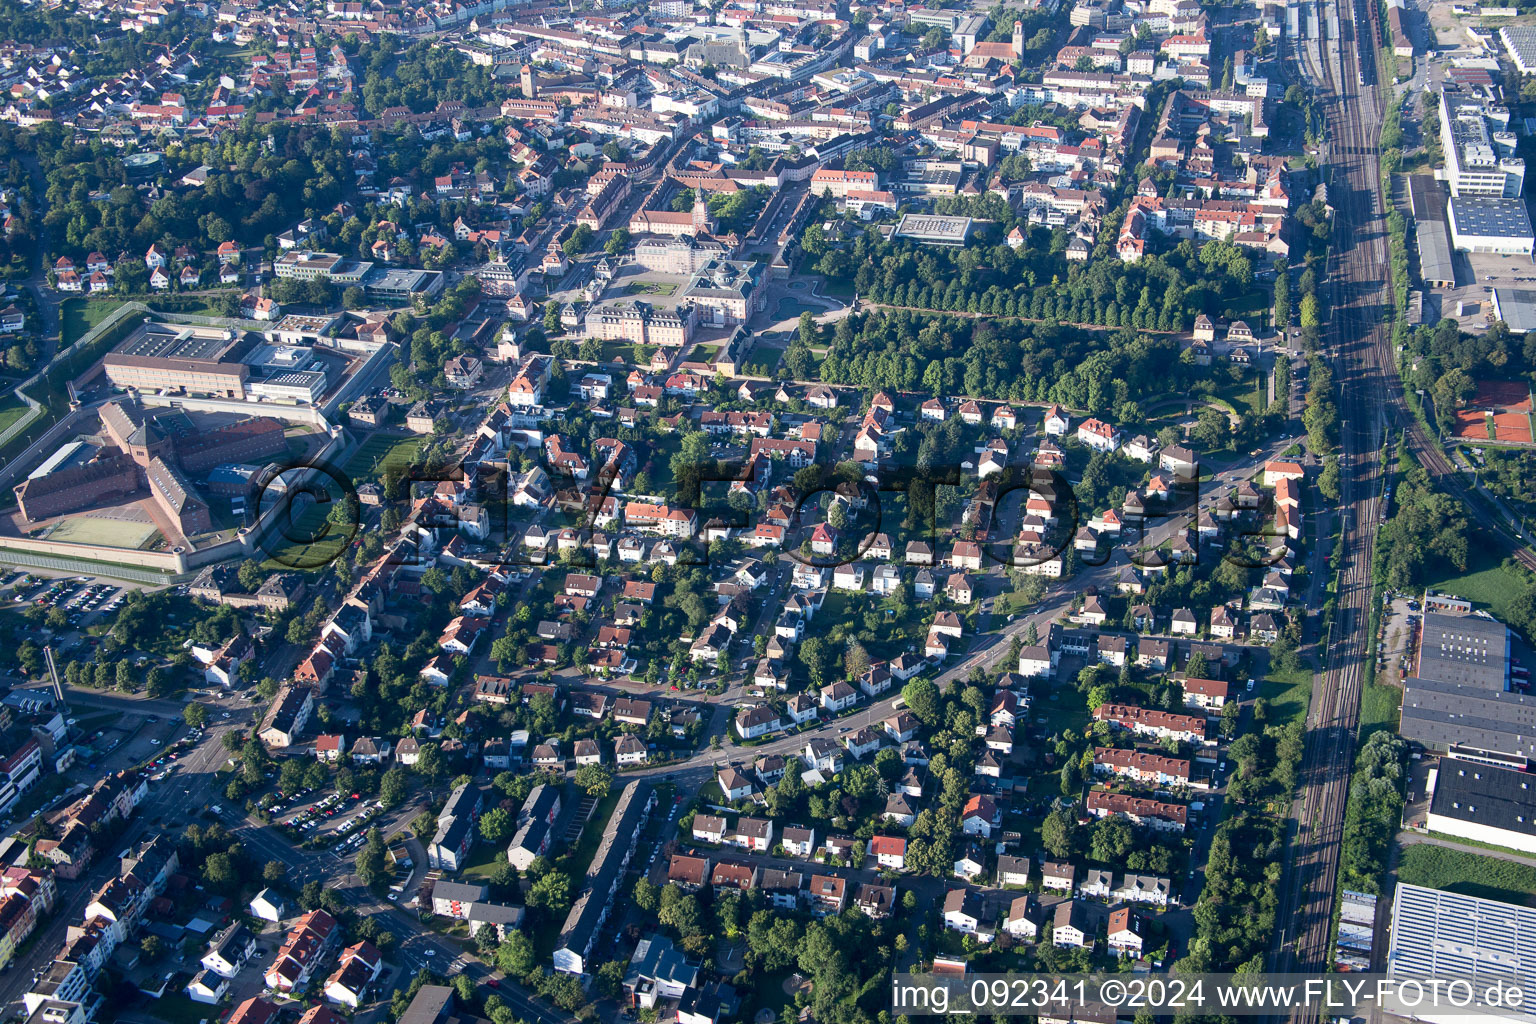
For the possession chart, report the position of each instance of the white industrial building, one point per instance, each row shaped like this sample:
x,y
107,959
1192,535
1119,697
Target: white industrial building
x,y
1492,225
1479,147
1483,802
1439,934
1520,41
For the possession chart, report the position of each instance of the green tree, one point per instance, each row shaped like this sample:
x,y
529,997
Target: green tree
x,y
594,779
922,699
1058,834
250,574
516,955
393,786
1112,839
552,892
495,825
373,860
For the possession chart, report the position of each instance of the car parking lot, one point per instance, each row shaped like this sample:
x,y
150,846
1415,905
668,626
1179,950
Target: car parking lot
x,y
1477,276
337,821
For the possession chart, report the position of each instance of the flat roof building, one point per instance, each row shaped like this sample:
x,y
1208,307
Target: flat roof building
x,y
1479,147
1438,934
199,360
305,386
1427,199
934,229
326,266
1442,715
1491,224
1484,802
1520,41
402,285
1468,649
1516,307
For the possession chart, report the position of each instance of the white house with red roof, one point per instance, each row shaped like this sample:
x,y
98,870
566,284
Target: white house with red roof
x,y
1098,435
824,539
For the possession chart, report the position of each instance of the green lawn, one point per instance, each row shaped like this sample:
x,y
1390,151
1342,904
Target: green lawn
x,y
1288,694
483,860
76,316
627,353
767,994
763,362
1246,396
650,288
1011,603
1254,306
290,553
177,1008
1489,584
1469,873
1067,713
592,835
381,452
11,410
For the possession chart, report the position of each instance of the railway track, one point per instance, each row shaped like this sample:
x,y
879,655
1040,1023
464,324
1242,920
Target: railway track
x,y
1371,402
1354,343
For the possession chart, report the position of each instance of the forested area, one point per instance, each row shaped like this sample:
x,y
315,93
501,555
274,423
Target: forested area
x,y
1111,372
421,77
268,187
1427,536
1161,292
20,235
1374,810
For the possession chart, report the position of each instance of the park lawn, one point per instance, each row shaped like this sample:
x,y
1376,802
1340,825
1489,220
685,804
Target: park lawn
x,y
627,353
1246,396
1066,710
483,860
77,315
659,468
1289,695
763,361
1255,306
651,288
767,994
1454,871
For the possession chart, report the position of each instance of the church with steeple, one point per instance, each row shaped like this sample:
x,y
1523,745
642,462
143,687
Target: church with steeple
x,y
696,222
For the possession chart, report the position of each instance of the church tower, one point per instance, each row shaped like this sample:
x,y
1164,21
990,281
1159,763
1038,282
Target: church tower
x,y
1018,39
701,225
